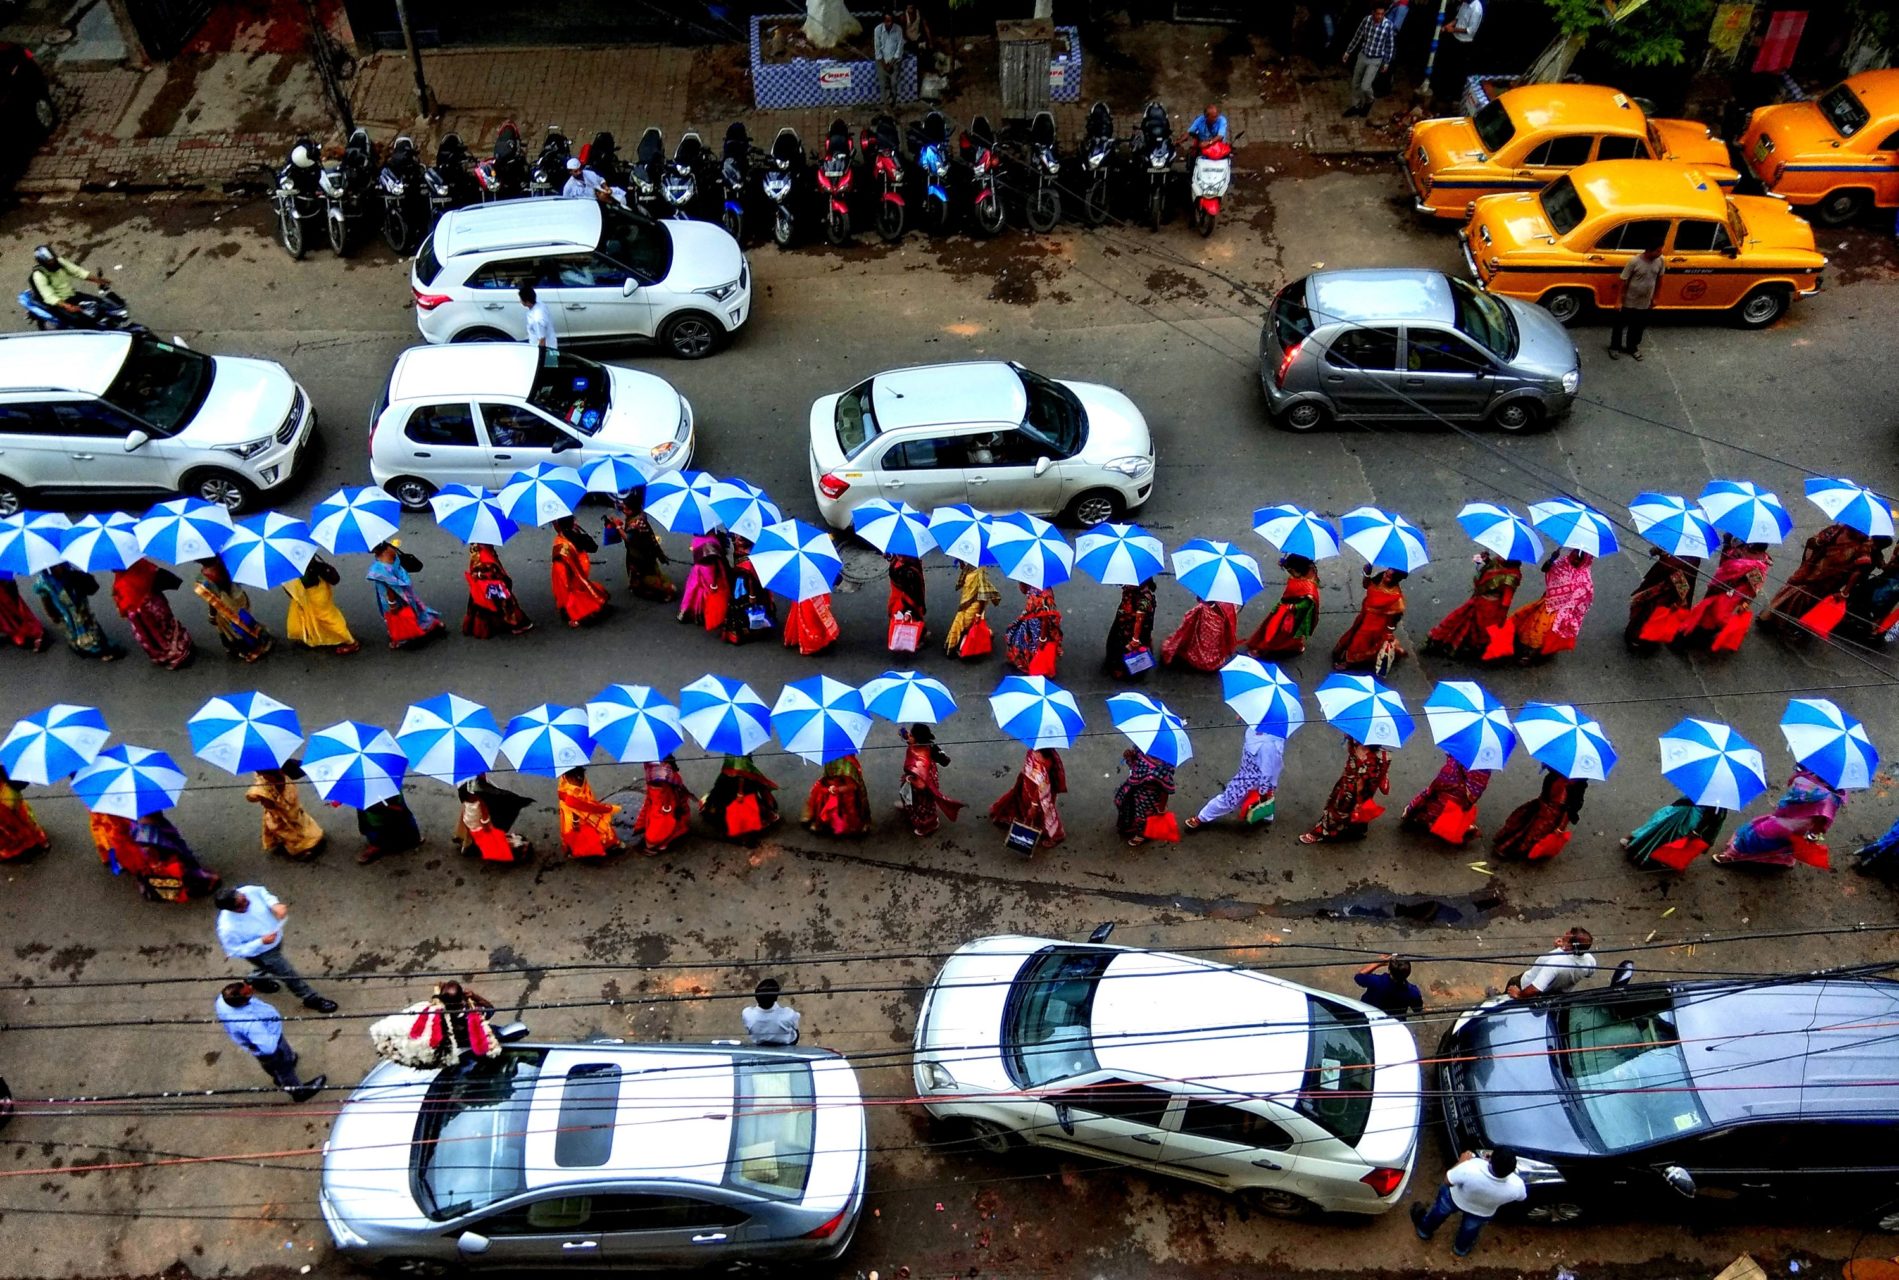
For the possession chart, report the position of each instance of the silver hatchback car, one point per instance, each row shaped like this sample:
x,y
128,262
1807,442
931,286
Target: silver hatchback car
x,y
599,1157
1406,343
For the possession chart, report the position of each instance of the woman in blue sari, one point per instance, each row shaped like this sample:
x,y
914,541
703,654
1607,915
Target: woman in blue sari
x,y
411,623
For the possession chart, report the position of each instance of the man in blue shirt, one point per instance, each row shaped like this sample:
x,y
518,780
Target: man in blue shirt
x,y
258,1029
1392,990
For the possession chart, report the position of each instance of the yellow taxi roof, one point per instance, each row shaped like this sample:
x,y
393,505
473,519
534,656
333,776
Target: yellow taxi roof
x,y
1536,106
1879,90
1655,188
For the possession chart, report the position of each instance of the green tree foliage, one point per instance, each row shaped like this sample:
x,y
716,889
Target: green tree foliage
x,y
1655,35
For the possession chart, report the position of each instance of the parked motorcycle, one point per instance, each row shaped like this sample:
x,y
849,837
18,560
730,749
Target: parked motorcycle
x,y
735,176
680,183
1097,165
979,157
103,310
835,181
882,150
929,142
1039,164
350,197
506,174
454,169
649,165
783,183
1155,148
298,197
1212,175
550,167
412,197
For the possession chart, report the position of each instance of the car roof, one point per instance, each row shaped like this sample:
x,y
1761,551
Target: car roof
x,y
1650,188
464,370
68,361
1592,105
934,395
672,1119
1388,293
517,224
1178,1019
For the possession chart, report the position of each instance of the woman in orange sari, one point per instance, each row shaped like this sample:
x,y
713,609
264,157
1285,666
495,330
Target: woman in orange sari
x,y
1467,631
667,813
138,591
580,599
586,824
1205,638
1371,642
1286,629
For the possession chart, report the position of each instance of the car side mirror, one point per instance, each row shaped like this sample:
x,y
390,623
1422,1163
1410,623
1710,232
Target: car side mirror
x,y
1679,1180
1065,1118
627,286
512,1032
471,1242
136,440
1042,465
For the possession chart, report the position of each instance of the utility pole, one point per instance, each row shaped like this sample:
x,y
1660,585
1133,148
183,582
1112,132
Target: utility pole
x,y
423,108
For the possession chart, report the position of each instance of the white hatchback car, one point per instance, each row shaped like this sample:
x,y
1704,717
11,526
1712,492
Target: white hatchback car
x,y
1299,1100
989,433
113,414
476,414
604,274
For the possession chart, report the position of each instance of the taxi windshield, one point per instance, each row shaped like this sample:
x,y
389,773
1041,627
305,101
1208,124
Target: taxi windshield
x,y
1844,111
1563,206
1494,126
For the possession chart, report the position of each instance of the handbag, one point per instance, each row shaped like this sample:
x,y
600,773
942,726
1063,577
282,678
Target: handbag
x,y
1139,658
1022,838
1164,827
1549,846
1367,812
1677,854
1453,823
978,641
1823,617
906,634
1662,626
1728,639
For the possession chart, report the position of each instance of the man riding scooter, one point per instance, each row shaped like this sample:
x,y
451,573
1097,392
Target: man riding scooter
x,y
56,282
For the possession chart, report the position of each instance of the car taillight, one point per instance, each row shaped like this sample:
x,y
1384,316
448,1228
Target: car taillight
x,y
1383,1181
828,1229
1285,363
832,487
428,301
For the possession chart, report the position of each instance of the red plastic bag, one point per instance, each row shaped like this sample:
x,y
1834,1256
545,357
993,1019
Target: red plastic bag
x,y
1163,827
1503,641
1043,663
1549,846
1677,854
977,641
1662,626
1454,823
1367,812
1814,853
1728,639
1823,617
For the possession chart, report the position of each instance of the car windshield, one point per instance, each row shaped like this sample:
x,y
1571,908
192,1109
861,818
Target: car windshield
x,y
1292,322
773,1129
1045,1023
1336,1094
163,384
1484,319
1055,418
1494,126
471,1136
573,389
1563,206
1844,111
636,242
1624,1066
856,422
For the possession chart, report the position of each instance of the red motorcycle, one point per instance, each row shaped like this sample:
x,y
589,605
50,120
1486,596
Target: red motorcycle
x,y
835,172
1212,175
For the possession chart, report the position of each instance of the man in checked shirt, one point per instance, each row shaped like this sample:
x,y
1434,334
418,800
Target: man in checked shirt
x,y
1373,43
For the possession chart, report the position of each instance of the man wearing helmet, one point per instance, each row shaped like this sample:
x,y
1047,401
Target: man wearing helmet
x,y
56,282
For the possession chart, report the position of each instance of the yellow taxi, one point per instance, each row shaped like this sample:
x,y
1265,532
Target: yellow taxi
x,y
1565,246
1836,156
1525,138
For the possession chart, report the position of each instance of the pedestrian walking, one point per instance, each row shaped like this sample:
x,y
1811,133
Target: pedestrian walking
x,y
1371,642
644,555
313,620
1130,654
1558,969
969,635
887,47
1831,566
1720,622
21,835
767,1021
17,623
1447,807
410,622
740,806
1641,276
387,827
1033,642
1476,1187
1387,985
540,324
493,609
138,593
1206,637
667,813
486,823
1662,603
708,583
586,823
1031,800
251,925
258,1029
287,827
1477,630
1550,624
1674,835
1284,632
1374,42
920,796
1537,830
1250,792
579,599
1140,802
1353,805
906,626
239,631
1794,832
65,594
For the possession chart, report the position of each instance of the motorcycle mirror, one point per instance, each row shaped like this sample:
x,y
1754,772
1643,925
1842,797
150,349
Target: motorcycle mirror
x,y
1064,1118
627,287
136,440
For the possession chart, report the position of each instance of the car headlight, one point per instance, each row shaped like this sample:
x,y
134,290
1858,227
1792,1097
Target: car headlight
x,y
1536,1171
1572,380
249,449
1133,467
937,1076
721,292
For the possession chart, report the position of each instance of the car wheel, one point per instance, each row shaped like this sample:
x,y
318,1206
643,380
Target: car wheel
x,y
1555,1213
12,498
45,114
235,494
987,1135
1839,208
1305,415
1515,415
480,335
691,335
1097,506
1280,1204
1761,307
415,1267
412,492
1567,305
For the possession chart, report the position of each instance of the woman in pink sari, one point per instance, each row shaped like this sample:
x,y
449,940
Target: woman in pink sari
x,y
1549,625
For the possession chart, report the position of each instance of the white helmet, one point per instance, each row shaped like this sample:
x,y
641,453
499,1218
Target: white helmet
x,y
301,157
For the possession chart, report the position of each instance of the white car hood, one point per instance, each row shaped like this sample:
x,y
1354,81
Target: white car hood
x,y
962,1026
1116,428
249,400
704,256
642,413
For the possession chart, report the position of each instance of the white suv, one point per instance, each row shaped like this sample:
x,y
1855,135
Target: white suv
x,y
122,413
604,274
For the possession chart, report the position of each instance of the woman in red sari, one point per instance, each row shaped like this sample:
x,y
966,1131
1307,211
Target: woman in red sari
x,y
839,803
17,623
1205,638
1831,564
1660,602
1721,620
1371,642
138,591
1367,774
1469,630
1033,642
1454,788
920,796
1286,629
667,813
1526,835
493,609
1031,801
580,599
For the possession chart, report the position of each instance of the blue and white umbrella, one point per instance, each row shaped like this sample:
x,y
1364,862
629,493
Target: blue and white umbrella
x,y
1365,711
130,782
55,742
819,719
1262,695
268,549
1297,531
1712,764
1386,540
472,515
183,530
1151,726
355,520
743,508
1674,524
634,723
355,764
1500,530
97,543
1120,555
1576,525
962,532
1029,550
681,502
1744,510
1852,505
796,560
548,740
245,732
542,494
905,697
894,528
1829,742
1558,735
724,715
1471,726
617,474
32,540
449,738
1036,712
1218,572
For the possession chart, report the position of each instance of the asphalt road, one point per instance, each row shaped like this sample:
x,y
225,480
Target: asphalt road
x,y
120,991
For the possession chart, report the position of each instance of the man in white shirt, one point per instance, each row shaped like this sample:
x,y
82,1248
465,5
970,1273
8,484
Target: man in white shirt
x,y
1476,1188
540,325
887,47
1558,970
769,1022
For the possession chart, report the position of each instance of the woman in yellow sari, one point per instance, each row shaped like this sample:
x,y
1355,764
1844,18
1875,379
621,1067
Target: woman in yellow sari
x,y
314,621
975,592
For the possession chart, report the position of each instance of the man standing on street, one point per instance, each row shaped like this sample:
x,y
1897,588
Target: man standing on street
x,y
769,1022
1476,1188
540,325
887,48
251,927
1387,985
258,1029
1374,42
1556,971
1640,278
